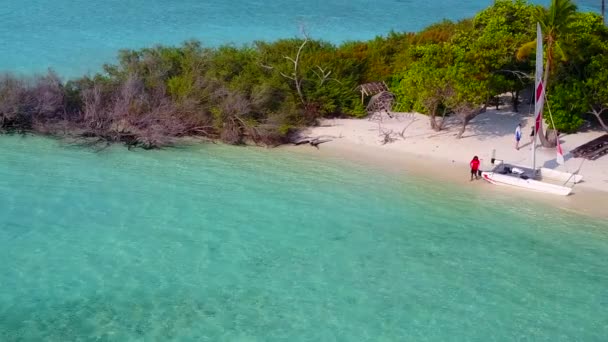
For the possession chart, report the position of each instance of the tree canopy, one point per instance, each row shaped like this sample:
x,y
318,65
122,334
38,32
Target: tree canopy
x,y
263,91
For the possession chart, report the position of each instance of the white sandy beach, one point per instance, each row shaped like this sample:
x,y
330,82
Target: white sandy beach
x,y
420,149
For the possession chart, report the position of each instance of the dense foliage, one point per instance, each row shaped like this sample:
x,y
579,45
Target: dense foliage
x,y
264,91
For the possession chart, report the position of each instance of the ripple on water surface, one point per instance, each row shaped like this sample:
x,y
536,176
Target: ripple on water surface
x,y
75,37
214,242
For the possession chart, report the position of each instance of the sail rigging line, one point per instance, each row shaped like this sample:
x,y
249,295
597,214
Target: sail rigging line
x,y
560,152
574,174
549,110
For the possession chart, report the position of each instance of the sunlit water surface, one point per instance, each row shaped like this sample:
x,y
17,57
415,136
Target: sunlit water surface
x,y
217,243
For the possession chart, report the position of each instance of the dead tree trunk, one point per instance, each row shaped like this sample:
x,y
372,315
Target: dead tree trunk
x,y
467,112
93,108
598,115
465,122
432,116
432,104
515,100
434,125
295,77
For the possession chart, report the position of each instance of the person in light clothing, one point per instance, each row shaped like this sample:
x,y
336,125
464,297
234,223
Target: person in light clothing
x,y
517,136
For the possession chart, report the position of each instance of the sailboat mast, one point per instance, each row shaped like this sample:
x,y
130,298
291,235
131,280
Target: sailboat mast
x,y
534,154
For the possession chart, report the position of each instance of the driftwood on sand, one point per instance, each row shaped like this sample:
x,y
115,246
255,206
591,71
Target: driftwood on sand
x,y
313,141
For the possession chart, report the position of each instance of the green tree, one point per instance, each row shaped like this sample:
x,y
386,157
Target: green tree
x,y
424,86
498,33
577,84
469,93
595,89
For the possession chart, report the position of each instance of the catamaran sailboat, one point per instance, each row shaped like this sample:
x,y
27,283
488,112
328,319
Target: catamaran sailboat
x,y
541,179
536,179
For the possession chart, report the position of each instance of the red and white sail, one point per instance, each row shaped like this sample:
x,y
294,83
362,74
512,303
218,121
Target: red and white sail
x,y
540,93
539,86
500,177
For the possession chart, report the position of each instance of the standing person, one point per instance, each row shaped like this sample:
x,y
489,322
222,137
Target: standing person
x,y
532,135
517,136
474,168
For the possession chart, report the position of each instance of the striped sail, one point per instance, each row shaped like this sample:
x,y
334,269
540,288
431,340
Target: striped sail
x,y
539,86
540,96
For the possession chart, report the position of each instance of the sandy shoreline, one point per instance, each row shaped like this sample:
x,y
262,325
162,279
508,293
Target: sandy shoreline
x,y
422,151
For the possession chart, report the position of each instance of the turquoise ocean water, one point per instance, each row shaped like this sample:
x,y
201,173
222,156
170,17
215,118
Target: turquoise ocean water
x,y
217,243
77,36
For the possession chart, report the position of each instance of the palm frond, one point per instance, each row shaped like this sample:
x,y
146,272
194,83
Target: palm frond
x,y
526,50
560,14
559,52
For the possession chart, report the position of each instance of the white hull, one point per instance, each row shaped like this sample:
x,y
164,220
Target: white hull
x,y
516,180
559,176
528,184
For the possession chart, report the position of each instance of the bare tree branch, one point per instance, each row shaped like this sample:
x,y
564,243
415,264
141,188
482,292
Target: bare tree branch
x,y
521,76
323,76
597,111
265,66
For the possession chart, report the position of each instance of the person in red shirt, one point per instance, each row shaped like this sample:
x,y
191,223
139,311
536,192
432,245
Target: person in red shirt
x,y
474,168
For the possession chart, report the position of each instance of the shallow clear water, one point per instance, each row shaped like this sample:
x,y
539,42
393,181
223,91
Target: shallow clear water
x,y
219,243
76,36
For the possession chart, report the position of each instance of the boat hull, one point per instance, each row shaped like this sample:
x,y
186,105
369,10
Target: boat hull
x,y
528,184
564,177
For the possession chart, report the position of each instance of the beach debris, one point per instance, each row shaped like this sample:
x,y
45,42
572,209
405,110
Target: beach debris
x,y
380,103
389,135
314,141
371,88
593,149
